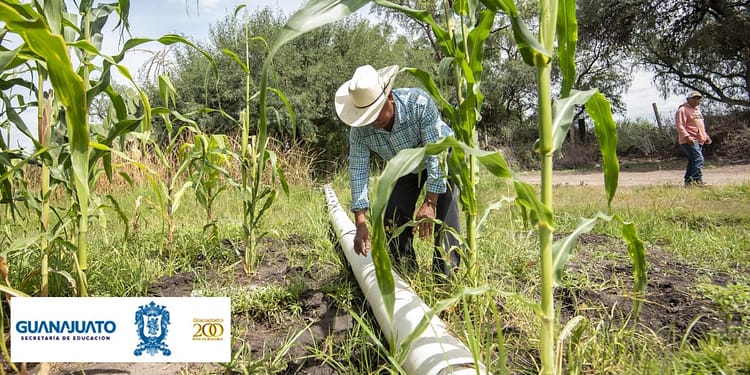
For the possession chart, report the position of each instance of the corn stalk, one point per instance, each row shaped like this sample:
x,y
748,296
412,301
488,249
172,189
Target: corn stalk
x,y
255,157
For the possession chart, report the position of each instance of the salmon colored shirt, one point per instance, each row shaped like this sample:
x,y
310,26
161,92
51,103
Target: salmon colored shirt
x,y
689,123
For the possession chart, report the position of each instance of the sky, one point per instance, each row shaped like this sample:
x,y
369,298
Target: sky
x,y
193,18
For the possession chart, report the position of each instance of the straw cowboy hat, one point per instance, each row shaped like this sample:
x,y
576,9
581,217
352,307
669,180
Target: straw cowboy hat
x,y
360,99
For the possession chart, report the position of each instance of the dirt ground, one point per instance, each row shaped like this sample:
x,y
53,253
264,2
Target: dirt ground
x,y
671,304
642,174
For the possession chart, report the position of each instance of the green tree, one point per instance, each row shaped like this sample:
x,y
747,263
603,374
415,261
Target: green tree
x,y
308,71
701,45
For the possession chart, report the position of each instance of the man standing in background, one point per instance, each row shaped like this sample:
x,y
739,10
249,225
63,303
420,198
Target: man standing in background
x,y
691,133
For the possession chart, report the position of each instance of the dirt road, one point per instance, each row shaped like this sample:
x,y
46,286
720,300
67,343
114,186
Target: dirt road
x,y
670,174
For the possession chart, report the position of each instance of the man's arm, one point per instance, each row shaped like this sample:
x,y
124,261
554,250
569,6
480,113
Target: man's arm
x,y
359,172
680,119
359,175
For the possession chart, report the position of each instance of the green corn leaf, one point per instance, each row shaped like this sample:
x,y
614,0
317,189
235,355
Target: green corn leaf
x,y
123,10
178,196
442,36
562,248
8,57
637,254
606,134
491,207
538,212
13,293
534,54
476,40
86,4
22,243
311,15
236,58
15,119
238,9
278,171
429,84
289,109
53,13
567,38
121,214
314,14
167,91
562,114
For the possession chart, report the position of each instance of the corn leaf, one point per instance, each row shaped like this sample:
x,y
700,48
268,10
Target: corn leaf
x,y
442,36
533,53
526,197
429,84
638,256
606,134
7,57
567,38
562,248
562,115
178,196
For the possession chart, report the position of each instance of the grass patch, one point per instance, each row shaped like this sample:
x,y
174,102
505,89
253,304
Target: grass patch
x,y
303,310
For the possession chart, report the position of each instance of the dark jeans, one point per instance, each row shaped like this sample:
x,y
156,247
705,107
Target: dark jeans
x,y
694,153
401,209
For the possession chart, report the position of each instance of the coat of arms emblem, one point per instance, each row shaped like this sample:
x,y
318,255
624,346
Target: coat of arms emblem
x,y
152,321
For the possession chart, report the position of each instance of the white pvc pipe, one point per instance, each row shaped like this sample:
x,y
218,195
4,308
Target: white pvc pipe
x,y
435,351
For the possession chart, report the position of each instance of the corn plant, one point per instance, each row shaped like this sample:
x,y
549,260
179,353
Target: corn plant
x,y
462,42
172,157
257,197
209,160
49,35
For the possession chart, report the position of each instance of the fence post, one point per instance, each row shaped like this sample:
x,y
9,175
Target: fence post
x,y
656,114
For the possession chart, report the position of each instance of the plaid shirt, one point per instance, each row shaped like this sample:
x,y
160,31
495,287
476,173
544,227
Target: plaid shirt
x,y
416,123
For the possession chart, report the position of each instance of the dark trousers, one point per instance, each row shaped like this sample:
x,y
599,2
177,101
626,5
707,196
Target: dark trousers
x,y
401,209
694,170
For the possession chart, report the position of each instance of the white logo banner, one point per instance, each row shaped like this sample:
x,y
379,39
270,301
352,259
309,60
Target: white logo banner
x,y
114,329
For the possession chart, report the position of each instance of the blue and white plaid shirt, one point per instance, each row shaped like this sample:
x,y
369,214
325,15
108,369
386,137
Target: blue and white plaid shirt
x,y
416,123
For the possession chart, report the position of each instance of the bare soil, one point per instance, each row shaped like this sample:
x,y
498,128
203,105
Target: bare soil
x,y
670,307
644,173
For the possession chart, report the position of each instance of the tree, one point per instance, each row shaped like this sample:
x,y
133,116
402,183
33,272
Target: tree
x,y
701,45
706,47
308,71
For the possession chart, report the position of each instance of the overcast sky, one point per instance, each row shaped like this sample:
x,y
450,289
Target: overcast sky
x,y
192,18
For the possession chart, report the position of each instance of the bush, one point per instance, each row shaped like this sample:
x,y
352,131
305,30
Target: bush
x,y
642,138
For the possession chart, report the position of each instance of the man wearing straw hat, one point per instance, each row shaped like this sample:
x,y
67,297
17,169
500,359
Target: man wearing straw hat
x,y
385,121
691,133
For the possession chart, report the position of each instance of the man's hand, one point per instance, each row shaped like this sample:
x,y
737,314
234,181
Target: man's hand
x,y
362,239
426,211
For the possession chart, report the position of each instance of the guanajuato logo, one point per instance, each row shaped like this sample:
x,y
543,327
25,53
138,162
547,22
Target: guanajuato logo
x,y
65,330
152,321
